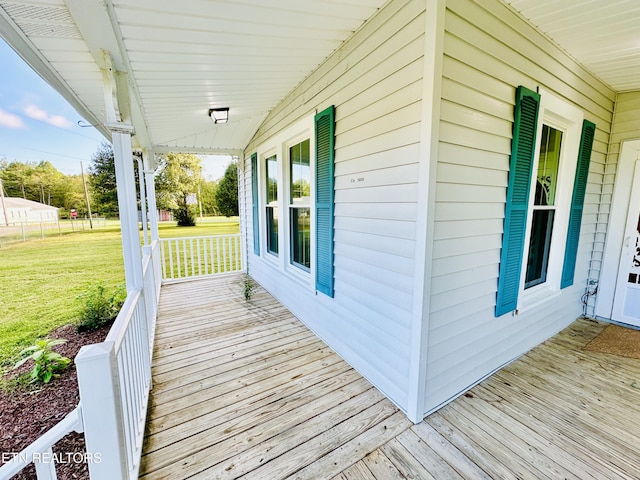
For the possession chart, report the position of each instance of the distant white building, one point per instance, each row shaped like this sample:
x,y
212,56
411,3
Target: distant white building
x,y
21,210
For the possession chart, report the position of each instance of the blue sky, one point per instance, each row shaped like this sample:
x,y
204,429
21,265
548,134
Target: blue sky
x,y
36,123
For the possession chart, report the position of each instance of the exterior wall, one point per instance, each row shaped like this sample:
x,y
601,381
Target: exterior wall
x,y
488,51
20,210
375,82
626,126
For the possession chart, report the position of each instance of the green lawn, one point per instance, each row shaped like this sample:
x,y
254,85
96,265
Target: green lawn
x,y
41,279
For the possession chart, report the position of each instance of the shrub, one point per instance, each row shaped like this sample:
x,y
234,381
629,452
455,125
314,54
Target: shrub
x,y
185,215
100,306
46,362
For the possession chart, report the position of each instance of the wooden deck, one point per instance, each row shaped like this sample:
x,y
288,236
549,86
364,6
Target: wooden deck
x,y
243,389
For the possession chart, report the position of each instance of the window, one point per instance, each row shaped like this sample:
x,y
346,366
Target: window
x,y
254,204
549,166
301,185
271,189
543,210
300,204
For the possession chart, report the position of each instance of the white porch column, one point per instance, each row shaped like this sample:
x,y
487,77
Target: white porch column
x,y
127,204
149,175
143,200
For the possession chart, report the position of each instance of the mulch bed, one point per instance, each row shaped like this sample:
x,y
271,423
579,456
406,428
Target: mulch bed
x,y
27,413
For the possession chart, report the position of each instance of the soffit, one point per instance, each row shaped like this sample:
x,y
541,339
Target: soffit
x,y
183,58
602,35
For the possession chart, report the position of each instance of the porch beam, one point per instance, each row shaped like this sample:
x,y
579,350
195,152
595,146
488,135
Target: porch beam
x,y
197,150
97,22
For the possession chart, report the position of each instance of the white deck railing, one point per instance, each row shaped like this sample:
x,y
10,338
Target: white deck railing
x,y
189,257
114,379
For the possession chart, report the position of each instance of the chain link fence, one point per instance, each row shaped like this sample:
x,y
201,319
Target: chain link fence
x,y
25,230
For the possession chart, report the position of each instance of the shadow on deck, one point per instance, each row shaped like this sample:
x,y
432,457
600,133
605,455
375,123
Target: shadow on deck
x,y
243,389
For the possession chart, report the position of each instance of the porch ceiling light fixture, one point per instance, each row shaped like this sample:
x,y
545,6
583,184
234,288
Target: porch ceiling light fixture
x,y
219,115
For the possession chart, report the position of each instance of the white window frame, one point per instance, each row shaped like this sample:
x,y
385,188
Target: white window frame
x,y
280,144
562,116
263,154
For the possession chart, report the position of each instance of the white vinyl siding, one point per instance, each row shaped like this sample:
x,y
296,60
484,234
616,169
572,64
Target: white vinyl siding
x,y
626,126
375,82
488,52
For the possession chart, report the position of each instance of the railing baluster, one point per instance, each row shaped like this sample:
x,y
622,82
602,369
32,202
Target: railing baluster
x,y
171,258
163,260
191,257
204,255
219,270
184,254
198,246
46,470
224,250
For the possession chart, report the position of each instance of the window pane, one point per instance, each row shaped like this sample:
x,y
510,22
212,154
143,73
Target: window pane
x,y
272,180
300,173
547,179
272,229
301,237
539,245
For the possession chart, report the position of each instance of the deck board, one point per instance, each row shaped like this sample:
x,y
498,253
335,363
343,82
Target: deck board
x,y
244,390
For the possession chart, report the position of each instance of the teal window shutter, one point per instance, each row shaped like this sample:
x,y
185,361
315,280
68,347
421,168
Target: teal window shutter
x,y
515,219
325,133
254,203
577,203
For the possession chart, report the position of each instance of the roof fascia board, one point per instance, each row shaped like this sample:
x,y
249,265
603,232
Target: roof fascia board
x,y
196,150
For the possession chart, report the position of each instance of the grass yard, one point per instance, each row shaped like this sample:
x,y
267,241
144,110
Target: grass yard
x,y
41,278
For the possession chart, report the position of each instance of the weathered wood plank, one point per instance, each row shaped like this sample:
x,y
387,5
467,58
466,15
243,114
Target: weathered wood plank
x,y
251,430
343,456
251,370
380,466
358,471
296,447
429,459
406,463
244,390
448,452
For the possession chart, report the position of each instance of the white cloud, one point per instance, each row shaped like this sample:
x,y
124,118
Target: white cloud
x,y
38,114
10,120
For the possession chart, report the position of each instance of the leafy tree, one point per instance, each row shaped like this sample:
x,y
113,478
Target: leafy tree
x,y
16,178
49,183
177,183
102,178
227,192
40,182
73,196
208,198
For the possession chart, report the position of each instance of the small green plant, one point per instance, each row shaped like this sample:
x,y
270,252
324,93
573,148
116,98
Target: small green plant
x,y
248,286
100,306
46,362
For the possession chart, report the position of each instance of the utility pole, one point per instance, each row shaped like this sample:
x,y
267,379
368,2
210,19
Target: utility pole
x,y
86,196
4,206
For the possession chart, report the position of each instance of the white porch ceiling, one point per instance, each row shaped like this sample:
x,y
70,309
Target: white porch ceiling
x,y
603,35
185,57
182,58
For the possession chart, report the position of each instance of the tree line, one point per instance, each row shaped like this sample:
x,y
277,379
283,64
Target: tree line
x,y
180,186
